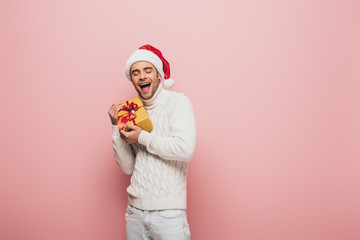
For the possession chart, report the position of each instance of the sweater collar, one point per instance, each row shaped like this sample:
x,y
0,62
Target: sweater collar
x,y
151,101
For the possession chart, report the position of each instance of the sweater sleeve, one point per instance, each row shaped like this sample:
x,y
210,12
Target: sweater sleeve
x,y
123,152
180,145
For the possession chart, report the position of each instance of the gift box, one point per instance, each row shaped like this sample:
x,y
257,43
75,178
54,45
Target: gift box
x,y
134,113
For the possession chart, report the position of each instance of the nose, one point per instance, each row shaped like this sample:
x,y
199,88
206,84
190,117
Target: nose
x,y
142,75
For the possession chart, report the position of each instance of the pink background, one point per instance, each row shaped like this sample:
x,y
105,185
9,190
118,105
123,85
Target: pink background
x,y
275,87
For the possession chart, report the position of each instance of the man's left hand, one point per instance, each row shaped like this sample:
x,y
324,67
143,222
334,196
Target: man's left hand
x,y
133,135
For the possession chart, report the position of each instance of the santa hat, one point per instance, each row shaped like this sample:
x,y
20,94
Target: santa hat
x,y
153,55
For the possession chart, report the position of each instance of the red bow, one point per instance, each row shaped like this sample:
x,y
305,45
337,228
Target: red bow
x,y
129,116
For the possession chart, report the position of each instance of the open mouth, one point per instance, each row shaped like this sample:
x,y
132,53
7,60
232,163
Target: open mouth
x,y
145,87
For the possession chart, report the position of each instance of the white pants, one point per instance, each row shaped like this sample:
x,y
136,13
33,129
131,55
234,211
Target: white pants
x,y
156,224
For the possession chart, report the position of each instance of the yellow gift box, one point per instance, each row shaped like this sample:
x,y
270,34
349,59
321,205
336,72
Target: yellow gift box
x,y
134,113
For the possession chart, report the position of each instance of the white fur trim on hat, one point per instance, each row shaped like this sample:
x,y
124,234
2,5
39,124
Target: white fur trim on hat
x,y
144,55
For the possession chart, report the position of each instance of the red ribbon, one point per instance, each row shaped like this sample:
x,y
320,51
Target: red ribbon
x,y
129,116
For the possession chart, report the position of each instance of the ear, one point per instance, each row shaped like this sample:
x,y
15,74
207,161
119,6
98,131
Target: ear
x,y
131,80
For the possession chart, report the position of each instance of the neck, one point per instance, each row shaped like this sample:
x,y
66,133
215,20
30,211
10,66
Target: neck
x,y
153,99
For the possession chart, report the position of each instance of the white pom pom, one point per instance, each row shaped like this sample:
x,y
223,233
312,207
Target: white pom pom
x,y
168,83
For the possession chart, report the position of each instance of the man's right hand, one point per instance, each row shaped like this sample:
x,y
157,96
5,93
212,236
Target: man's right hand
x,y
113,111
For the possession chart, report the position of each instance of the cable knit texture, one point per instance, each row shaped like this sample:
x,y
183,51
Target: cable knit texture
x,y
159,161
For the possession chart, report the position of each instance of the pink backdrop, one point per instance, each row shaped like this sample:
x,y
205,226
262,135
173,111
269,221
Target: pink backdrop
x,y
275,87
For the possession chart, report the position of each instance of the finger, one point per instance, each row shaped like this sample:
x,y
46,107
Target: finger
x,y
116,105
123,133
113,112
119,108
122,136
132,127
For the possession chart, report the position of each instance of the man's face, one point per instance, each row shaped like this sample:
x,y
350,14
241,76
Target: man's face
x,y
145,78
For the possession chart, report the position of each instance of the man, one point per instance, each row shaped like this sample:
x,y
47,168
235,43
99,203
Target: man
x,y
157,160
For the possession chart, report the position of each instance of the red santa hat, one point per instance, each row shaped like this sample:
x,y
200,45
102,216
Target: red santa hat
x,y
153,55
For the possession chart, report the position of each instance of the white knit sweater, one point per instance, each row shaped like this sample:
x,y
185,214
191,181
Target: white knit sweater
x,y
158,162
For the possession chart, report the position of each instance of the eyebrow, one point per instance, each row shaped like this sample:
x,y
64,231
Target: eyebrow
x,y
145,68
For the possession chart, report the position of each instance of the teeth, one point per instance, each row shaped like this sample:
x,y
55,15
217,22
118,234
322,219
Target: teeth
x,y
144,84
